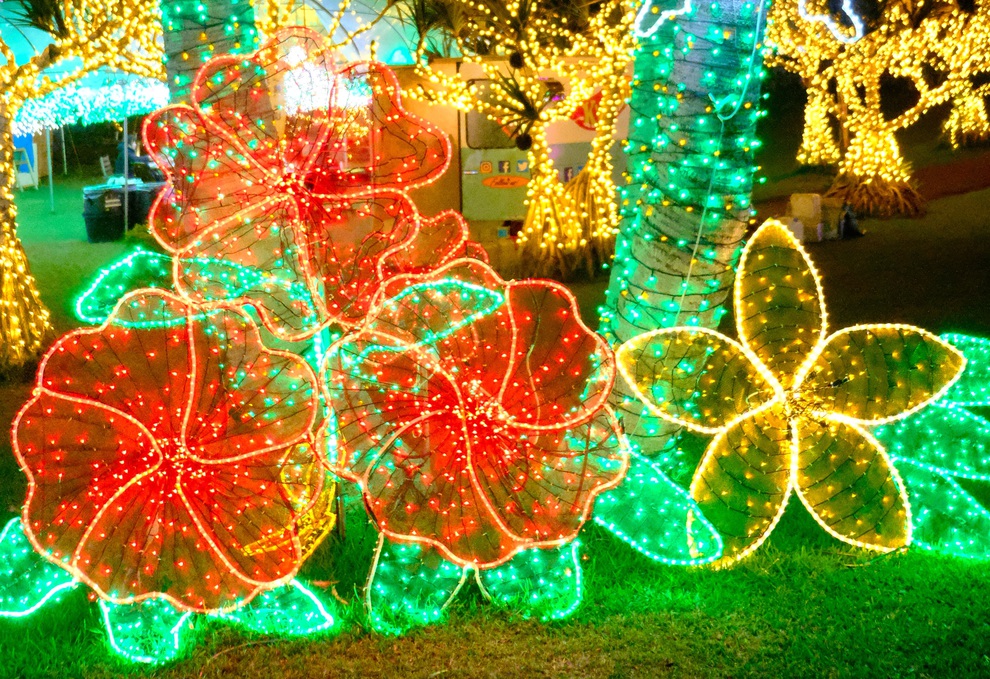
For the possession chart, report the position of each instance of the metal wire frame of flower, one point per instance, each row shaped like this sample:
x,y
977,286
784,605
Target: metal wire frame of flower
x,y
789,403
288,165
472,412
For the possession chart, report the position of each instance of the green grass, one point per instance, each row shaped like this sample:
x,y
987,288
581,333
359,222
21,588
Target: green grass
x,y
804,605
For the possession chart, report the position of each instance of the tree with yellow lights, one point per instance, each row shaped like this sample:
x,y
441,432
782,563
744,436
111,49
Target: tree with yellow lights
x,y
522,47
87,34
938,48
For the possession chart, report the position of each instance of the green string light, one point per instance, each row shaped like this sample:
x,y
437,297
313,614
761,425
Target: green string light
x,y
27,581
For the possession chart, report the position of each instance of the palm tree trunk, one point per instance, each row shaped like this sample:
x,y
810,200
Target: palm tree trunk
x,y
694,107
24,320
197,30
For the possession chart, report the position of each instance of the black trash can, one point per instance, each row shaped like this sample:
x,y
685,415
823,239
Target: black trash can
x,y
103,212
142,198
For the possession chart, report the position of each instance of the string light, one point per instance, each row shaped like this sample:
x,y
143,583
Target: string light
x,y
657,518
941,445
843,76
117,35
569,227
74,105
197,31
152,632
471,411
27,582
687,201
789,403
147,632
292,611
151,413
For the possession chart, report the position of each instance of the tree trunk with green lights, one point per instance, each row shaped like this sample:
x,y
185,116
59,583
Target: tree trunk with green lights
x,y
686,207
24,319
197,30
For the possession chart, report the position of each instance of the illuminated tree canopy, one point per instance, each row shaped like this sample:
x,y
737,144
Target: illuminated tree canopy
x,y
521,46
937,50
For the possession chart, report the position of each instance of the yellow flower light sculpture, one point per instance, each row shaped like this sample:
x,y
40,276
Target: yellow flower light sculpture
x,y
788,403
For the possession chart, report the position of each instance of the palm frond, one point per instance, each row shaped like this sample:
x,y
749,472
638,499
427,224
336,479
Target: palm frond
x,y
45,15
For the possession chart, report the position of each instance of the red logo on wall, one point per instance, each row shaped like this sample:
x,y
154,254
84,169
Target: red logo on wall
x,y
586,115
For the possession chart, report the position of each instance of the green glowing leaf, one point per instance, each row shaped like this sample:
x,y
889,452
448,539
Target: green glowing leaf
x,y
946,438
27,581
973,386
410,585
147,632
650,513
284,301
426,313
946,518
136,270
292,611
210,279
543,583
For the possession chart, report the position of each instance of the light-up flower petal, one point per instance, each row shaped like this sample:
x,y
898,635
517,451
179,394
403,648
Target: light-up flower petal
x,y
154,454
875,374
849,485
441,239
786,403
472,412
696,377
284,164
779,303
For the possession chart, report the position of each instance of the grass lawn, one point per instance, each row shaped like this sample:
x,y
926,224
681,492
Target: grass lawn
x,y
804,605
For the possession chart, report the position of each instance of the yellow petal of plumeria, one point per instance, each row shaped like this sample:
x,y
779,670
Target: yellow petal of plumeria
x,y
878,373
695,377
779,305
743,482
845,479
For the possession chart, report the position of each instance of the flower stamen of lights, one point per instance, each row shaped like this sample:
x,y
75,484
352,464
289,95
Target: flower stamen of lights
x,y
788,403
472,412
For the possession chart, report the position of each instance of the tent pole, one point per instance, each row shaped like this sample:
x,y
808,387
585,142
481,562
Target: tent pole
x,y
51,185
65,161
127,168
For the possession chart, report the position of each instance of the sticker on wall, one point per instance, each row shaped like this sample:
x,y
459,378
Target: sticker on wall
x,y
485,167
568,174
505,181
504,166
522,165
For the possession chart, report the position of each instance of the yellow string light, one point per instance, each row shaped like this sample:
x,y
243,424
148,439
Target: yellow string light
x,y
119,35
938,49
567,226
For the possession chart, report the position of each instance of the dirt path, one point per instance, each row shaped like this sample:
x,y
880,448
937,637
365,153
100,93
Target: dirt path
x,y
963,175
951,179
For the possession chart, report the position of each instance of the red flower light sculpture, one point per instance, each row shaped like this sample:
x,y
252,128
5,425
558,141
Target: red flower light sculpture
x,y
286,165
153,448
441,239
472,412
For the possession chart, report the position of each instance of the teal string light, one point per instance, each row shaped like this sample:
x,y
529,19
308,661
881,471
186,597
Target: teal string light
x,y
943,455
292,611
657,518
410,585
149,632
537,583
27,581
694,109
83,105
